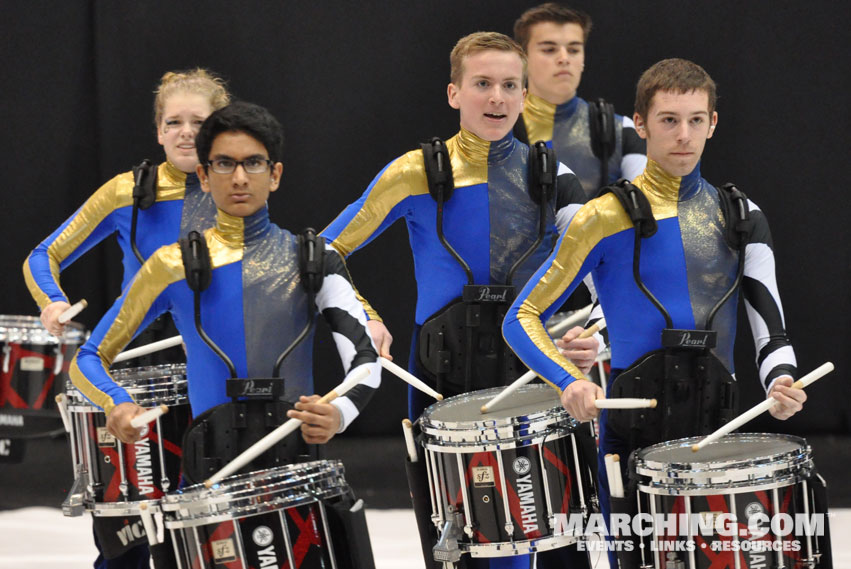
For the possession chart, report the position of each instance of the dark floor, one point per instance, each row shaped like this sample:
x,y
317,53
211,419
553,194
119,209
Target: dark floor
x,y
374,467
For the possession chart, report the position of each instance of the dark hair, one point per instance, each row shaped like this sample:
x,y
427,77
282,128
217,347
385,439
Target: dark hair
x,y
675,75
549,12
248,118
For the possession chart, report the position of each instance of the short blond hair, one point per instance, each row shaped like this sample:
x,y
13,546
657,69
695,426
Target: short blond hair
x,y
196,81
482,41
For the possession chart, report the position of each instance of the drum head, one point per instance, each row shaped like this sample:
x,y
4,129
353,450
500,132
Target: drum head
x,y
29,330
746,460
252,493
530,414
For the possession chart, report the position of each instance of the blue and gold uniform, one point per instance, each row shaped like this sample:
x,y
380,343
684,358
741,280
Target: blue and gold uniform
x,y
180,206
687,265
490,219
253,309
566,128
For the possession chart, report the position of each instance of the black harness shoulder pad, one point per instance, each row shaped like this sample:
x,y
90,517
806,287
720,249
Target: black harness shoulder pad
x,y
636,205
311,259
520,132
543,168
602,128
145,188
196,261
438,168
734,207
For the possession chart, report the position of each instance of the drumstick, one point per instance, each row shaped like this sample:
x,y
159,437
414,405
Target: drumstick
x,y
282,431
407,429
762,407
62,405
73,311
148,522
579,316
610,473
411,379
143,419
528,376
625,403
616,476
148,348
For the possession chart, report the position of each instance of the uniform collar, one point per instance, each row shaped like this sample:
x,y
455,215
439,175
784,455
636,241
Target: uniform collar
x,y
670,188
239,231
540,110
480,151
178,177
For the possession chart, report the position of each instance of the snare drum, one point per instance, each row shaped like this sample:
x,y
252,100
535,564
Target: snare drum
x,y
508,479
268,518
34,370
119,476
742,497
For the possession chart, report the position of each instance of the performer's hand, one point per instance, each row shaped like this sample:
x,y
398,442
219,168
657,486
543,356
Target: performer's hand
x,y
583,353
381,336
50,317
118,422
789,399
321,420
578,399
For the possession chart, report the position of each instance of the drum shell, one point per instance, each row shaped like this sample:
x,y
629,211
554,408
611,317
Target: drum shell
x,y
34,371
265,517
533,453
733,481
151,466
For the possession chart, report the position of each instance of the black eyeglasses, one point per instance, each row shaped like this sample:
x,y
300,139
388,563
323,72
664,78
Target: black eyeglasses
x,y
253,165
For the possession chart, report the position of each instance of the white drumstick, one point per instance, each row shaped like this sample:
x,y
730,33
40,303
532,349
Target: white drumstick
x,y
616,476
762,407
610,473
528,376
408,377
148,522
73,311
62,405
625,403
282,431
512,387
578,317
407,429
148,349
150,415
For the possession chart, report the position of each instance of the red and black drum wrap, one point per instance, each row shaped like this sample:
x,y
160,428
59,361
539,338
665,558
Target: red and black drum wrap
x,y
510,472
717,508
269,518
33,371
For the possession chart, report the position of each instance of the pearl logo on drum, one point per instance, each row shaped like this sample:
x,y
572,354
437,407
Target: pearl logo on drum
x,y
522,465
262,536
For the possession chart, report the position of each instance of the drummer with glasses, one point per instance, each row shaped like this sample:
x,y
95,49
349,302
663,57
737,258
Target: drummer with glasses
x,y
687,261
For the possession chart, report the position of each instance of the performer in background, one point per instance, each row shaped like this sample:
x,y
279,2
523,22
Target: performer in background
x,y
169,204
688,261
554,38
474,236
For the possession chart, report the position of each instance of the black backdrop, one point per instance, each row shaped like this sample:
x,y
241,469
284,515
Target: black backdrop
x,y
356,84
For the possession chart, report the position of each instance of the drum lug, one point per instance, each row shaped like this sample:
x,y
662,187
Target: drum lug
x,y
446,550
73,504
7,349
509,528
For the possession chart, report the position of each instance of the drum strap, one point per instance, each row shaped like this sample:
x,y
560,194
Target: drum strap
x,y
144,196
695,393
221,433
601,122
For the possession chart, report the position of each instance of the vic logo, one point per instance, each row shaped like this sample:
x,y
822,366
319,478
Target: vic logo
x,y
687,340
249,388
486,296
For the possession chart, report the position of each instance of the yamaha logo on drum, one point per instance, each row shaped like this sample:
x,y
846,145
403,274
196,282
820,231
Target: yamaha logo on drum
x,y
753,509
262,536
522,465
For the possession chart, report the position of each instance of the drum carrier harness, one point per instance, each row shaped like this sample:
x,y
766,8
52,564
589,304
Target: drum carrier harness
x,y
221,433
696,393
460,346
